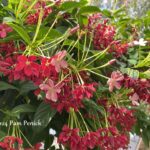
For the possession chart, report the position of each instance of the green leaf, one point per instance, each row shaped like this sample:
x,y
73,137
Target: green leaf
x,y
6,86
21,31
145,74
44,115
24,108
72,4
144,63
27,87
107,13
53,34
89,10
69,42
92,105
8,19
118,11
13,1
131,72
132,61
2,134
145,138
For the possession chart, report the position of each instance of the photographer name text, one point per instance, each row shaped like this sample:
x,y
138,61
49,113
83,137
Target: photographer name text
x,y
23,123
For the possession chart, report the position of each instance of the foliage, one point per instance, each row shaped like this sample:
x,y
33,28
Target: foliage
x,y
74,68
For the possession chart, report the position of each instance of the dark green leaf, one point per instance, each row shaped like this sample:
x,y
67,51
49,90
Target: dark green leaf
x,y
72,4
24,108
92,105
6,86
5,2
53,34
89,10
145,138
2,134
21,31
44,115
27,87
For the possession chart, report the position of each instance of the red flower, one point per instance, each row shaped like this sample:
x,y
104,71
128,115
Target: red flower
x,y
105,138
118,48
66,100
70,137
47,69
90,140
66,134
11,142
26,67
3,145
7,67
110,139
123,117
103,36
4,29
33,17
69,98
139,86
37,146
84,91
8,48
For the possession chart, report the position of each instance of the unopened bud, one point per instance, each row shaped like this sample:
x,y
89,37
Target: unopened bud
x,y
112,61
74,30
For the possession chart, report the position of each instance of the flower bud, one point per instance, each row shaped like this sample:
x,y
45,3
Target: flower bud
x,y
112,61
74,30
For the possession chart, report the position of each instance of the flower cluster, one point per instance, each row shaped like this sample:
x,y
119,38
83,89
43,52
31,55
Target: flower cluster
x,y
140,87
105,138
72,98
104,36
9,142
39,69
40,7
122,117
6,49
15,143
21,67
66,57
84,91
118,49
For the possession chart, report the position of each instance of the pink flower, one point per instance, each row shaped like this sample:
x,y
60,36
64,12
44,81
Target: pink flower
x,y
4,29
134,98
114,81
58,62
51,90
